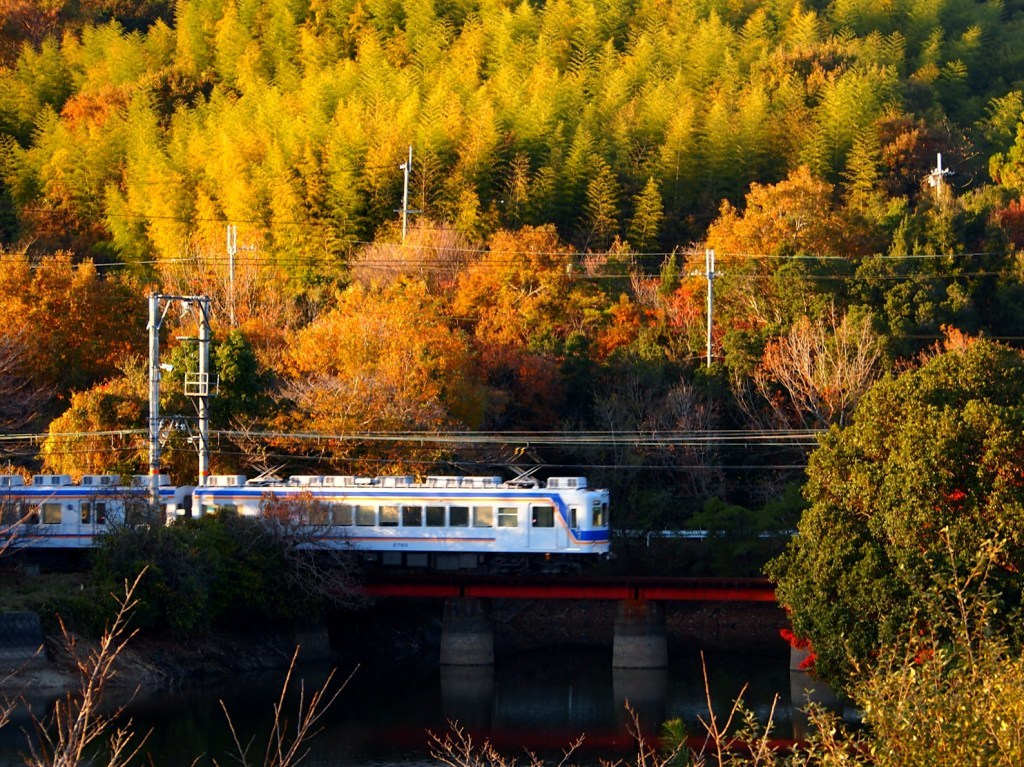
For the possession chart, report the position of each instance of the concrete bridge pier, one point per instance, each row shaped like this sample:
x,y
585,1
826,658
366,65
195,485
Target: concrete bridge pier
x,y
467,633
804,691
640,639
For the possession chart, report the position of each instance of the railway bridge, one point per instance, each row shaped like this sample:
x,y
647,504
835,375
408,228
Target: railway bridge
x,y
640,640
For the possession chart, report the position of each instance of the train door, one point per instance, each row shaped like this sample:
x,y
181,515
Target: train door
x,y
571,536
543,530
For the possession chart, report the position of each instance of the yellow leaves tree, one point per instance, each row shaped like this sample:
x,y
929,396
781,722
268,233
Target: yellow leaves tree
x,y
84,439
783,219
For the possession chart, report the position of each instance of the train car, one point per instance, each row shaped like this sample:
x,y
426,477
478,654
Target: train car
x,y
444,522
53,512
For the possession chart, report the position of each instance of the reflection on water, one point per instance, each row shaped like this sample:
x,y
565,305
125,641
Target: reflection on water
x,y
541,700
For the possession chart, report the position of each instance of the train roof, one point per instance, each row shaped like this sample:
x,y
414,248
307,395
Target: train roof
x,y
393,481
86,481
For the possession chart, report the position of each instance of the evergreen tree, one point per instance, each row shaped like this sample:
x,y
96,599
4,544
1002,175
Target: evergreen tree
x,y
648,215
601,212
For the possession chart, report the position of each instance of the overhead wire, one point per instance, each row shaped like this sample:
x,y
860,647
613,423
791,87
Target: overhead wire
x,y
596,439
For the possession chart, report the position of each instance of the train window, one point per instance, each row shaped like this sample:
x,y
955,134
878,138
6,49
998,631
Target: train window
x,y
435,516
412,516
32,517
483,516
341,514
227,508
508,516
389,516
101,512
135,511
318,513
458,516
86,509
598,514
10,512
574,515
543,516
366,516
52,514
207,509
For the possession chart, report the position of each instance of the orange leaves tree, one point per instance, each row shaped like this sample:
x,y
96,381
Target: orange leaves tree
x,y
524,307
381,360
82,324
783,219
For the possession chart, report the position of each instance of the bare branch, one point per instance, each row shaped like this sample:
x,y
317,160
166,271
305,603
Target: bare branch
x,y
813,376
77,720
286,749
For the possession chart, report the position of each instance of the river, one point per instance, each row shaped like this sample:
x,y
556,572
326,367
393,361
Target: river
x,y
539,699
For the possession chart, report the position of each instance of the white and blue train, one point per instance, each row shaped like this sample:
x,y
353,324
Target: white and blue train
x,y
54,512
441,521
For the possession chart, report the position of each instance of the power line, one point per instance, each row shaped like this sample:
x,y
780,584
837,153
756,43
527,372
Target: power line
x,y
599,439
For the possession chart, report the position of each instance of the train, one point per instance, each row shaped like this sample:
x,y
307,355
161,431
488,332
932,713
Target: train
x,y
440,522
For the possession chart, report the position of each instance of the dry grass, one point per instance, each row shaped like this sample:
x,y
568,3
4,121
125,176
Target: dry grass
x,y
78,723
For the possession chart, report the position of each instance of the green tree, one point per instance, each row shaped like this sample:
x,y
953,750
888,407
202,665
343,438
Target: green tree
x,y
1007,168
925,476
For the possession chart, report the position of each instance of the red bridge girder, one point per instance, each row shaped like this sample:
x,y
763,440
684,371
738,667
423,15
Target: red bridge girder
x,y
658,589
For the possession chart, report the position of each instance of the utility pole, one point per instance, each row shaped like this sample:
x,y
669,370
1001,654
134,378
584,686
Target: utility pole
x,y
232,249
709,267
407,167
197,385
936,179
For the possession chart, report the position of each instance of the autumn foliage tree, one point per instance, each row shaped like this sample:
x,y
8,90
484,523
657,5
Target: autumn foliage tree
x,y
85,439
381,360
769,255
519,300
21,396
82,324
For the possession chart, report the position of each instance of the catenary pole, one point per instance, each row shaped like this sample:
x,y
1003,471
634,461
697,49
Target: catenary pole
x,y
203,303
154,398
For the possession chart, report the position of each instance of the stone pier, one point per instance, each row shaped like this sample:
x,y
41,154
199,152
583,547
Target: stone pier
x,y
640,640
467,633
